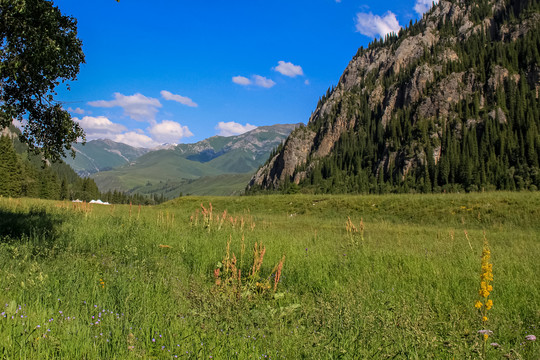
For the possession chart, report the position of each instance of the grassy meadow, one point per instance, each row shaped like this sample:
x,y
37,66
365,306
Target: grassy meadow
x,y
278,277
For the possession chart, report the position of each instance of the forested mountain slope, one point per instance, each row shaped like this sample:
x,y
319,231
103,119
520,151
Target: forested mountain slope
x,y
450,103
25,174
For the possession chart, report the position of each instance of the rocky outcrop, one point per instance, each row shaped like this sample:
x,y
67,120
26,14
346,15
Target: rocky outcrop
x,y
282,165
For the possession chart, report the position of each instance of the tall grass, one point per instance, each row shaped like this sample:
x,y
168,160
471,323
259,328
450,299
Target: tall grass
x,y
123,282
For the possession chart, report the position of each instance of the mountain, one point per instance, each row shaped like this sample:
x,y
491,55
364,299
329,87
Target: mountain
x,y
198,168
451,103
101,155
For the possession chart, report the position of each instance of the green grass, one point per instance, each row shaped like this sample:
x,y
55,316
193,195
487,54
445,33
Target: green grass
x,y
407,290
219,185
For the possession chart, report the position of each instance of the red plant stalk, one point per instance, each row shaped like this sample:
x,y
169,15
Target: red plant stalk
x,y
261,256
216,275
278,272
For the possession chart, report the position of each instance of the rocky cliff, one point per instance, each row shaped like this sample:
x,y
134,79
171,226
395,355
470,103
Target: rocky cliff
x,y
406,98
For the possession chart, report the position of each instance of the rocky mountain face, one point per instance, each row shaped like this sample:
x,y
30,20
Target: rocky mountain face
x,y
405,106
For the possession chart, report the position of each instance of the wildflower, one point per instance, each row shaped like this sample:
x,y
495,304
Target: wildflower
x,y
478,304
530,338
495,345
486,277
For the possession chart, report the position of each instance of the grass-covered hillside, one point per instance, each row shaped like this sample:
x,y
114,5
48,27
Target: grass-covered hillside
x,y
317,277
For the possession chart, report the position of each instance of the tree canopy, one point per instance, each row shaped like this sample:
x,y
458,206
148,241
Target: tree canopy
x,y
39,50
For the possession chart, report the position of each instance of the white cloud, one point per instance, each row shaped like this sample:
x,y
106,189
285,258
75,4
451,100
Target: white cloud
x,y
76,111
374,25
241,80
99,127
137,106
178,98
169,132
135,139
289,69
231,128
102,128
256,80
307,82
263,82
423,6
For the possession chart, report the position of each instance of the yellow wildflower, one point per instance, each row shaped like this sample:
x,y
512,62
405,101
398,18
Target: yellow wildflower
x,y
478,304
484,304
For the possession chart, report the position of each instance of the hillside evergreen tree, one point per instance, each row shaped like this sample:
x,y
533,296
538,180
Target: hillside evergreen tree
x,y
10,169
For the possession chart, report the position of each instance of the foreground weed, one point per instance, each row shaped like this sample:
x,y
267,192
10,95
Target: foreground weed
x,y
484,304
228,274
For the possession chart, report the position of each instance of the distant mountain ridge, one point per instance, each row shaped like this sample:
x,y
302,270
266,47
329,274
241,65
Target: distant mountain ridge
x,y
176,170
101,155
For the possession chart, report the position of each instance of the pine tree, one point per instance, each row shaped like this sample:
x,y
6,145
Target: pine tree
x,y
64,191
10,169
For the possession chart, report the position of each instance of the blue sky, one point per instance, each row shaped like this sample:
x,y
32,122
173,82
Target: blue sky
x,y
181,71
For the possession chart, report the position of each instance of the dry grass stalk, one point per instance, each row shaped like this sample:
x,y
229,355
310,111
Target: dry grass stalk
x,y
350,226
83,207
352,230
468,240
